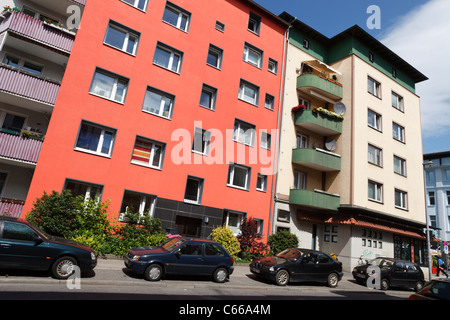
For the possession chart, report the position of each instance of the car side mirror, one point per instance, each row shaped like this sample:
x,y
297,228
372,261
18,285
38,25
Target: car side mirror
x,y
38,240
177,253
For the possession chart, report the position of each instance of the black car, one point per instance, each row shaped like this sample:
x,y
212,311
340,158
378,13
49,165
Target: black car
x,y
299,265
436,289
181,256
393,272
24,246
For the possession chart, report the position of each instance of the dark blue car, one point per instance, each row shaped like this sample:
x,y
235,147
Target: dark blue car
x,y
181,256
23,246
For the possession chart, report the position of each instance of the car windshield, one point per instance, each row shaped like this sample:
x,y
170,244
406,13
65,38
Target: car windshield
x,y
171,244
290,254
42,232
381,262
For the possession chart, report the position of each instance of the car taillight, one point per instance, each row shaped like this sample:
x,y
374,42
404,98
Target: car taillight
x,y
232,260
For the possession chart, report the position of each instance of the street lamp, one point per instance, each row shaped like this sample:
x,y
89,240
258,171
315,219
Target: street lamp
x,y
428,163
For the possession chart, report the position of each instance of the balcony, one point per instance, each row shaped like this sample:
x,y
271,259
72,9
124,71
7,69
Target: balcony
x,y
18,148
320,86
22,26
317,159
314,198
318,123
27,85
11,208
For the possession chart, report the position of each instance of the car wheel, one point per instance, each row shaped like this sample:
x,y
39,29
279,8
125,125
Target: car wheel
x,y
154,272
384,284
333,280
220,275
64,267
282,278
418,286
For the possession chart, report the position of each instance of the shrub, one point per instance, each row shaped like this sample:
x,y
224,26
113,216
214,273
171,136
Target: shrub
x,y
226,238
249,240
282,240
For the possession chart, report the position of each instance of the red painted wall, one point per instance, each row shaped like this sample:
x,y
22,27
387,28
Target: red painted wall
x,y
58,159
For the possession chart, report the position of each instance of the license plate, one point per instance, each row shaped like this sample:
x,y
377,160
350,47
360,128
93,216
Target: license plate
x,y
256,270
360,275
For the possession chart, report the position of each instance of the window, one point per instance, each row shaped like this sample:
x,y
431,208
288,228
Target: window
x,y
394,72
371,57
248,92
194,189
448,198
191,249
135,202
244,132
95,139
398,132
400,199
375,191
122,38
239,176
85,189
148,153
261,182
254,23
3,176
273,66
200,143
212,249
139,4
397,101
13,122
18,231
214,58
375,155
374,120
266,139
302,141
283,216
176,16
23,65
158,103
330,233
168,57
108,85
208,97
220,26
372,239
252,55
432,198
374,87
400,166
306,43
232,220
299,180
269,102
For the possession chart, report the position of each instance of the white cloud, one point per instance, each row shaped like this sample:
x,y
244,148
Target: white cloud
x,y
422,38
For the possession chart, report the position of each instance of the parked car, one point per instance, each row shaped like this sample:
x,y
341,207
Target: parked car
x,y
181,256
393,272
436,289
24,246
299,265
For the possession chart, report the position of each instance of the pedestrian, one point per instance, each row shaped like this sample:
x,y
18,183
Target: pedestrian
x,y
441,267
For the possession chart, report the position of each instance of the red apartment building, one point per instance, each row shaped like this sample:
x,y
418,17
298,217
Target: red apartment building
x,y
170,107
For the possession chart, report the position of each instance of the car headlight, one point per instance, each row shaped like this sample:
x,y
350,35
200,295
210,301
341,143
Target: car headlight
x,y
271,269
135,258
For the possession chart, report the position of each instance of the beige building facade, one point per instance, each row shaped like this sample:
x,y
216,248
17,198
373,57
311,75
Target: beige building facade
x,y
349,177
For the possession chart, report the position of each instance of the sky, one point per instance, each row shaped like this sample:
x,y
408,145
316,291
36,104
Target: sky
x,y
416,30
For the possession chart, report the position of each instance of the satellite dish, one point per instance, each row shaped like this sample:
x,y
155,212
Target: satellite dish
x,y
339,108
330,145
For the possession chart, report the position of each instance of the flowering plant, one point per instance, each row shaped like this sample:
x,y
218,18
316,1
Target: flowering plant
x,y
298,108
327,113
9,9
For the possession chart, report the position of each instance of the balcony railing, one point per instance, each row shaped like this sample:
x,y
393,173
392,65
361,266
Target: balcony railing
x,y
18,148
11,208
320,85
318,123
28,85
22,25
314,198
317,159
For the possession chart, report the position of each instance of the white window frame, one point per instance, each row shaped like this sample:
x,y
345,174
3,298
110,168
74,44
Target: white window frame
x,y
202,137
378,189
231,176
135,4
155,146
403,197
217,53
181,14
89,187
375,155
128,33
266,140
374,87
211,92
302,141
243,86
272,66
244,132
164,98
101,140
398,132
269,101
299,180
117,80
397,101
249,51
374,120
254,23
261,182
174,53
402,165
200,181
144,200
239,217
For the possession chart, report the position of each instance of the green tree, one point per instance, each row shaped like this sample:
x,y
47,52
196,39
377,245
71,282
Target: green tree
x,y
282,240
